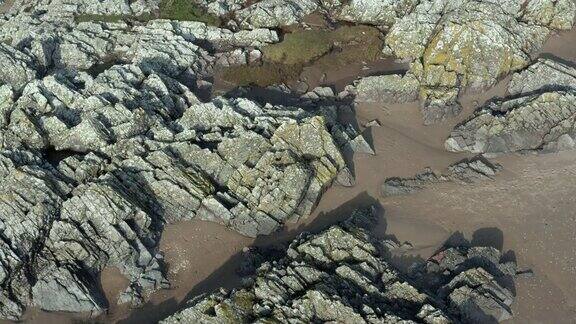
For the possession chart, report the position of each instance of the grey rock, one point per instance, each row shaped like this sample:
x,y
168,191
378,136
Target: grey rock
x,y
346,178
512,31
16,68
341,275
93,168
373,123
274,13
538,115
545,74
541,121
376,12
392,88
465,171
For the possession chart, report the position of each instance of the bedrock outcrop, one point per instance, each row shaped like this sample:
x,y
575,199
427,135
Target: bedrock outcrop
x,y
538,116
94,167
456,46
342,275
466,171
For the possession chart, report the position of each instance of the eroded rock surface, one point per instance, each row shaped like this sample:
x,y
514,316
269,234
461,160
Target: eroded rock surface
x,y
540,114
456,46
466,171
108,132
342,275
93,168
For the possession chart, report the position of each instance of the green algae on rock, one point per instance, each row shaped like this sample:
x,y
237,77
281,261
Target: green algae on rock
x,y
327,49
186,10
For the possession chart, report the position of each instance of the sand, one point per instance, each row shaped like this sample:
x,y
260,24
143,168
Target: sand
x,y
529,209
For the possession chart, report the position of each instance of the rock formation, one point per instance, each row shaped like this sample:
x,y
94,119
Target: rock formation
x,y
456,46
108,132
341,274
103,140
466,171
540,115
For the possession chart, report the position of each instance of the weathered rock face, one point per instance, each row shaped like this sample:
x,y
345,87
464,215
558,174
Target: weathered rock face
x,y
104,139
539,116
466,171
119,155
391,88
382,13
341,275
275,13
456,46
544,75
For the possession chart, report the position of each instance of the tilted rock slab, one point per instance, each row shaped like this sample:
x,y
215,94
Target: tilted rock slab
x,y
544,75
341,275
465,171
539,115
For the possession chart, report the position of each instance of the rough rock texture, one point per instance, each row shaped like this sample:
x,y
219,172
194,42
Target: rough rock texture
x,y
545,74
466,171
544,121
454,46
120,155
539,115
107,132
103,140
375,12
393,88
275,13
342,275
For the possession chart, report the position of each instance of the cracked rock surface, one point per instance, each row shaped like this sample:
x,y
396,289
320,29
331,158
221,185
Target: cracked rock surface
x,y
456,46
108,133
104,140
91,174
341,274
539,116
466,171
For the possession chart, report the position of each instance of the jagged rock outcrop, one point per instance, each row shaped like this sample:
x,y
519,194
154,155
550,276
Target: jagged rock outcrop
x,y
392,88
466,171
544,75
124,153
275,13
539,114
342,275
105,137
543,121
383,13
456,46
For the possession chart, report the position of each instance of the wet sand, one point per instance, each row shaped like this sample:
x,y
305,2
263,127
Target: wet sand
x,y
529,209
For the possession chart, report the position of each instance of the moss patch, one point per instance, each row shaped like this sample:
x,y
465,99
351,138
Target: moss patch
x,y
186,10
300,47
328,49
261,75
356,43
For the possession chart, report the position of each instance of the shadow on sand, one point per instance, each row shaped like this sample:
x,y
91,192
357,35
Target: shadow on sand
x,y
226,276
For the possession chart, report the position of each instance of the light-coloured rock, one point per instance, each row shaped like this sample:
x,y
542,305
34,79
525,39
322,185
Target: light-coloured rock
x,y
340,275
469,44
539,121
